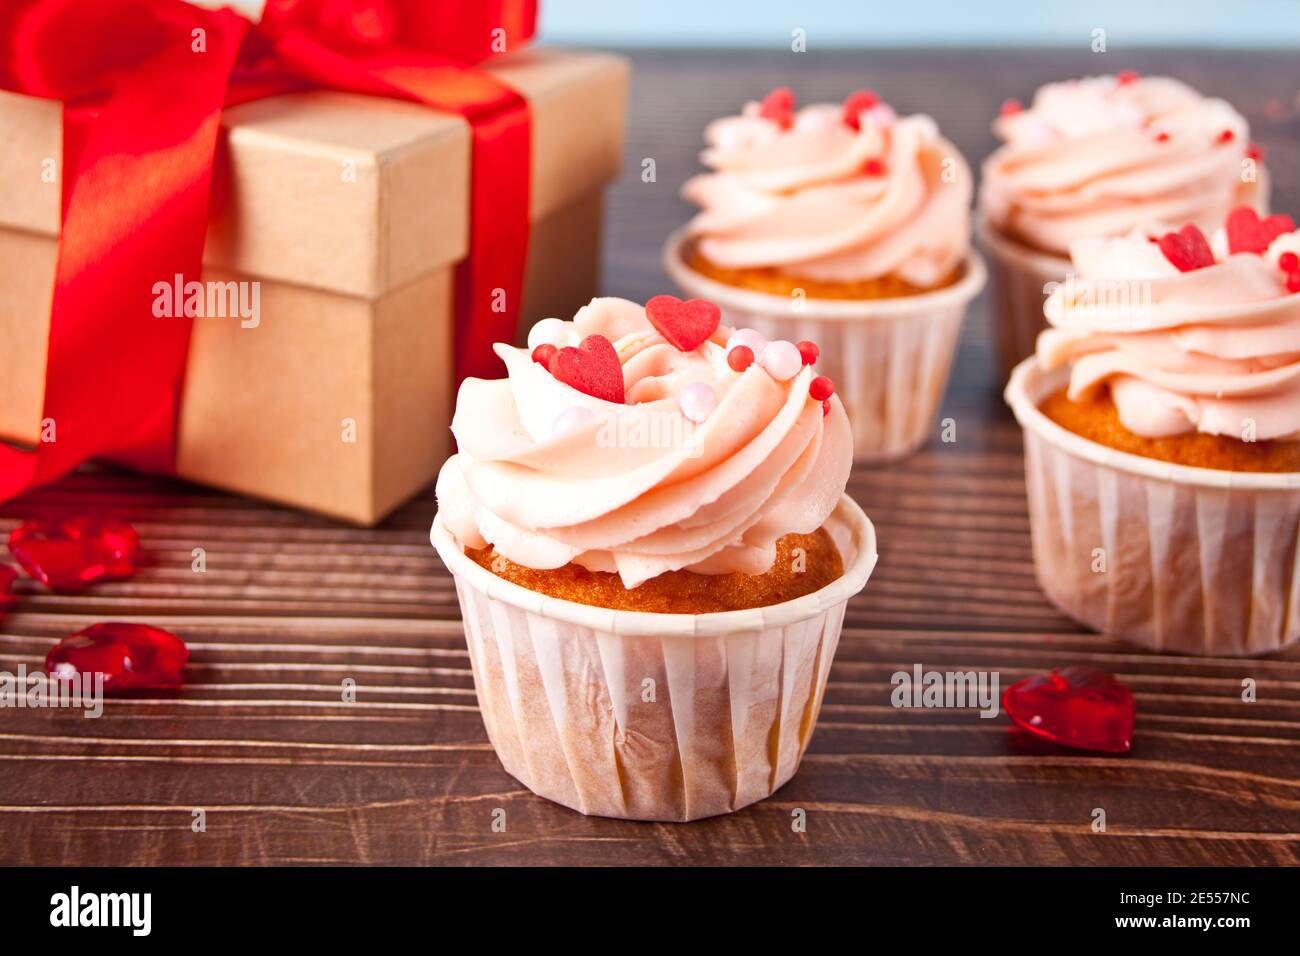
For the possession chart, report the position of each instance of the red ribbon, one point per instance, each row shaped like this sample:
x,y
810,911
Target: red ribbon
x,y
143,84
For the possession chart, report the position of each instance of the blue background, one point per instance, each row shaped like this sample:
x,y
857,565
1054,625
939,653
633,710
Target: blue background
x,y
841,23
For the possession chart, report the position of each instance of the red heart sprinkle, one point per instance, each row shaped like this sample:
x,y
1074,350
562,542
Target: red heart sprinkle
x,y
128,655
1079,707
69,555
1187,249
778,106
7,578
857,103
592,368
684,324
1248,233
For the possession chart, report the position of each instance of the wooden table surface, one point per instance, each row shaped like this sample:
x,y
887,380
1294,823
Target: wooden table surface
x,y
291,605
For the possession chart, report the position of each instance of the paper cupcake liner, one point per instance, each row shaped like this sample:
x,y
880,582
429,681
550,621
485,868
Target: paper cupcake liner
x,y
889,358
1018,276
653,716
1178,559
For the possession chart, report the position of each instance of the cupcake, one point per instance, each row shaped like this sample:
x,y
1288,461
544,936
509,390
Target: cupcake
x,y
1093,159
652,549
849,226
1161,417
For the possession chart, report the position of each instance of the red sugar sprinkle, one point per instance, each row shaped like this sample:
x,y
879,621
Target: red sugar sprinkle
x,y
543,354
874,167
809,351
1293,282
1288,262
740,358
1248,233
857,103
778,106
826,408
1187,249
821,388
1010,108
1255,151
1227,136
1126,77
1162,137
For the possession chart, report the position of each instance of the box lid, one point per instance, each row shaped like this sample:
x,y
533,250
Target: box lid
x,y
349,193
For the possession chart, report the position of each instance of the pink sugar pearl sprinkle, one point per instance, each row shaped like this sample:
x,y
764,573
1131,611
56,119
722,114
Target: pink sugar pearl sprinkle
x,y
698,401
782,360
749,338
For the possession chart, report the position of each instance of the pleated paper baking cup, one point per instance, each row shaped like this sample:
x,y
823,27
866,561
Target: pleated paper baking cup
x,y
1178,559
889,358
1018,279
653,716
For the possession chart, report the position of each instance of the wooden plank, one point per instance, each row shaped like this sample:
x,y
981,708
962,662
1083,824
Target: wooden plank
x,y
292,605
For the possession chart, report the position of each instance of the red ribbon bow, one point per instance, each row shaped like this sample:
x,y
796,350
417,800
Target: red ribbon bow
x,y
143,84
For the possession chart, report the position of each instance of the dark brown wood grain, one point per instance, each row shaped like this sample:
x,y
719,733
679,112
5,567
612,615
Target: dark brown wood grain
x,y
292,605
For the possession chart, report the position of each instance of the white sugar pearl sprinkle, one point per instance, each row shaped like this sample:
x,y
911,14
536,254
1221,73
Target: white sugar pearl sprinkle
x,y
549,332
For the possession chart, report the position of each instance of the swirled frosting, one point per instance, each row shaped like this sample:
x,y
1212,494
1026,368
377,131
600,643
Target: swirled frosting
x,y
1098,157
549,475
827,202
1213,349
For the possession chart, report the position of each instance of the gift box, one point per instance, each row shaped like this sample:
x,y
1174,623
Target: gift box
x,y
327,381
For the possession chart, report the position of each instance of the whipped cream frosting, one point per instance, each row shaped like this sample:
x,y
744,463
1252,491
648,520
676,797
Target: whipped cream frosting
x,y
549,475
1098,157
827,202
1214,349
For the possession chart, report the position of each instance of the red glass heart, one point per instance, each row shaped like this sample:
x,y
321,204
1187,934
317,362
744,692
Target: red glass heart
x,y
128,655
1079,707
686,325
7,578
70,555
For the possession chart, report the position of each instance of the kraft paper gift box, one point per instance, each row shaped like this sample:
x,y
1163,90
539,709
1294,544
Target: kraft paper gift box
x,y
350,213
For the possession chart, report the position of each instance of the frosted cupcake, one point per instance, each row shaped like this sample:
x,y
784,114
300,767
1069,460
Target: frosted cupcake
x,y
1162,437
653,551
1096,158
848,225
